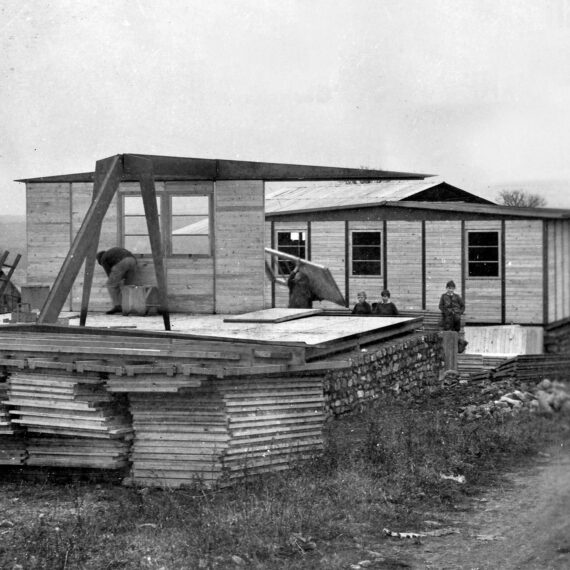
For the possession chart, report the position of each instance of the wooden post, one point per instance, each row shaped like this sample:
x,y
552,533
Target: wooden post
x,y
100,171
111,171
143,167
450,339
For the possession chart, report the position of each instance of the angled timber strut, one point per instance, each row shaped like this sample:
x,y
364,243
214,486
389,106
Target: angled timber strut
x,y
108,174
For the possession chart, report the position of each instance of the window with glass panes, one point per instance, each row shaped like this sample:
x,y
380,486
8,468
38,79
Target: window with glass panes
x,y
184,219
483,254
135,230
293,243
366,253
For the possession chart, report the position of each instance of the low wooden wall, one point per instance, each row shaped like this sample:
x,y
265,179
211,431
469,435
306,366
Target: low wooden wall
x,y
557,337
407,365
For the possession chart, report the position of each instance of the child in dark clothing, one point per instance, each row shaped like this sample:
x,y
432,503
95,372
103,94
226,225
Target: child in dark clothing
x,y
452,307
385,307
362,307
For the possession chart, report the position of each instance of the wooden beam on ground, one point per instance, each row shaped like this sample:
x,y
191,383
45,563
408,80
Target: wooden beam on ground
x,y
112,168
144,169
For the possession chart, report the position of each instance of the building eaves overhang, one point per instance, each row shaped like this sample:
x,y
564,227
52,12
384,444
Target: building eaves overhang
x,y
456,207
181,168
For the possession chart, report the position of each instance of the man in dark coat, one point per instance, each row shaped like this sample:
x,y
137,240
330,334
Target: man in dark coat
x,y
301,295
120,265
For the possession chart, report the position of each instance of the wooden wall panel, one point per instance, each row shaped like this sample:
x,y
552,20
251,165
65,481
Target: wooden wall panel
x,y
483,297
373,284
443,261
558,267
267,284
523,271
281,292
48,231
404,263
239,246
327,248
190,284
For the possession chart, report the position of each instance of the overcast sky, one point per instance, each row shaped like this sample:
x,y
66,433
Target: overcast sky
x,y
476,91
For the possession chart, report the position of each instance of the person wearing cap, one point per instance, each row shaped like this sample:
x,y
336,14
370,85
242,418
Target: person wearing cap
x,y
120,265
452,307
362,306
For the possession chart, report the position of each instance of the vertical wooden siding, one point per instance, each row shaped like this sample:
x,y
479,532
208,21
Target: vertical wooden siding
x,y
482,294
443,261
239,246
523,271
404,260
558,262
48,230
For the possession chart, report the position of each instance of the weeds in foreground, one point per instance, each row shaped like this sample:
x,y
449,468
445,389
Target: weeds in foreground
x,y
378,470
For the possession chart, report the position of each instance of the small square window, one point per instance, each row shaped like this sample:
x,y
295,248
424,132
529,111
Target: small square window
x,y
366,253
483,254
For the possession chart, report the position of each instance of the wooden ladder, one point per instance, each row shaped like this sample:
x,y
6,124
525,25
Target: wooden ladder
x,y
5,277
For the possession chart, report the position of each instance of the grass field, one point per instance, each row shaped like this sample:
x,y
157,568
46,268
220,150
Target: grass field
x,y
381,469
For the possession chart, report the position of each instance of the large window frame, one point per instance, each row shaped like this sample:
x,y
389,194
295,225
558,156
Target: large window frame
x,y
483,254
169,219
366,253
297,247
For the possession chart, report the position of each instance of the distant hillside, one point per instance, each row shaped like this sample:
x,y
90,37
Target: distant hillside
x,y
13,239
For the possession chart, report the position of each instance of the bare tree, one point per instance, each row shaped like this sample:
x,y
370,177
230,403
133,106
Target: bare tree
x,y
520,199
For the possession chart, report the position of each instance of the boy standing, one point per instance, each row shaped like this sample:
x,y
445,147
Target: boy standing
x,y
452,307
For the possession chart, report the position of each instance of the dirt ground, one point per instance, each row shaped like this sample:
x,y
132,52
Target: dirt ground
x,y
522,523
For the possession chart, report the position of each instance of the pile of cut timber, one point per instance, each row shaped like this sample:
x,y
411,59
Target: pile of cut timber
x,y
12,444
231,428
475,363
535,367
80,423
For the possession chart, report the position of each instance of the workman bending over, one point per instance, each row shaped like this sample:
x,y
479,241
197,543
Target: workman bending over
x,y
120,265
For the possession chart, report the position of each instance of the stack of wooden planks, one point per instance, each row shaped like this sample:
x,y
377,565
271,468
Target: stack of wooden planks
x,y
81,424
227,429
12,444
535,367
471,364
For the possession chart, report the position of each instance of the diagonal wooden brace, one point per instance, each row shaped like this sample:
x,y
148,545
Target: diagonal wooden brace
x,y
110,170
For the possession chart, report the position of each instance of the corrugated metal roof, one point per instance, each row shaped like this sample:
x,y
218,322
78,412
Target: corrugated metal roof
x,y
324,196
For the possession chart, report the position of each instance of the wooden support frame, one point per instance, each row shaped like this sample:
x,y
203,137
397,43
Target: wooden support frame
x,y
108,174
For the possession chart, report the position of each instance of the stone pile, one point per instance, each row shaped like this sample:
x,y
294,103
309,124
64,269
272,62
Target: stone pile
x,y
547,397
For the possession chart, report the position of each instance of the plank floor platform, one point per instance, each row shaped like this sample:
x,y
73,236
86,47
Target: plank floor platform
x,y
210,400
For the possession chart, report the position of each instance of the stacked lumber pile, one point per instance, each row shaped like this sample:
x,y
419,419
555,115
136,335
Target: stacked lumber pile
x,y
535,367
12,444
478,366
78,421
179,438
230,428
273,422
